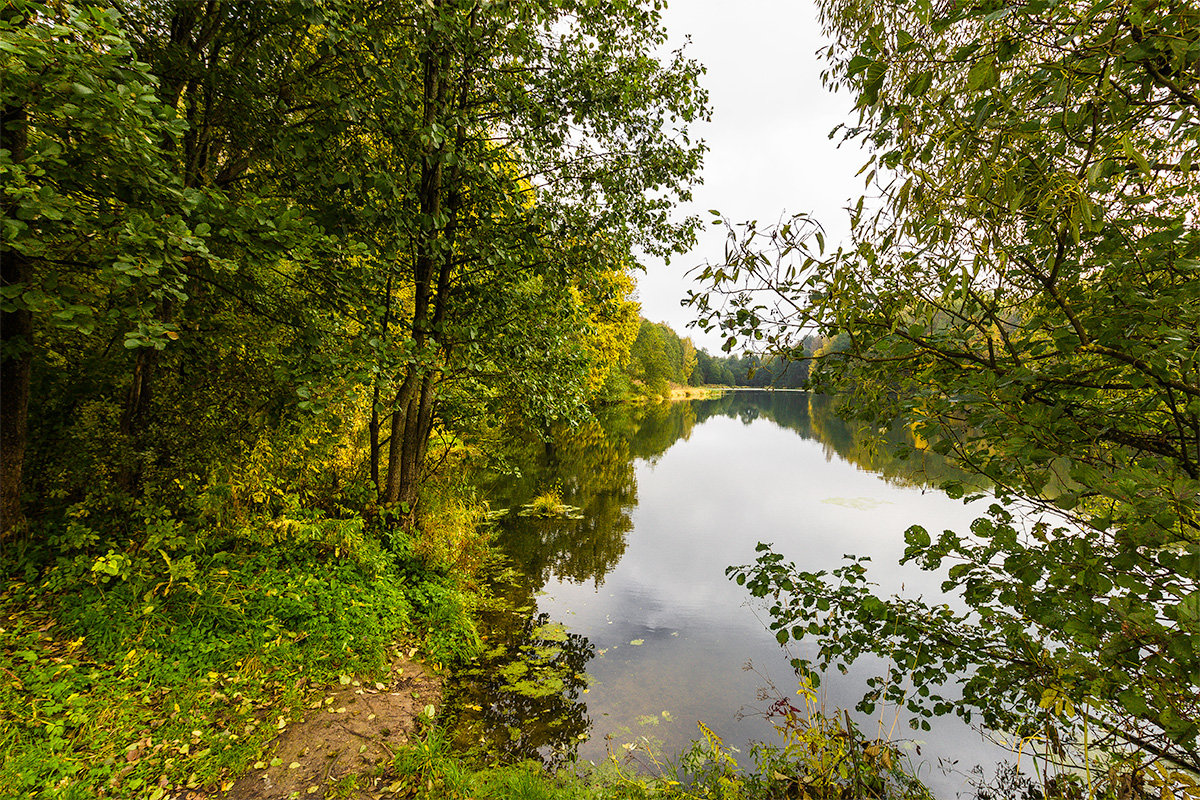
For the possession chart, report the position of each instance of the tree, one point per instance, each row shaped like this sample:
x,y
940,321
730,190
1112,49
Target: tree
x,y
95,224
434,200
612,324
492,144
1027,292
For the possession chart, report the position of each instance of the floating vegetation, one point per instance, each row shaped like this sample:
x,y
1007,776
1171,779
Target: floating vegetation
x,y
549,505
522,698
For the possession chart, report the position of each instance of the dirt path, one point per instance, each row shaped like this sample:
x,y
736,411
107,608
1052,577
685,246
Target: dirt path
x,y
348,733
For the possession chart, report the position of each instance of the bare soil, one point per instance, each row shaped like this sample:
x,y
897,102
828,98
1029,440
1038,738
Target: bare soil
x,y
349,733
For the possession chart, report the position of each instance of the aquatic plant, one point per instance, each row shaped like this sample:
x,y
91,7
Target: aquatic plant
x,y
550,505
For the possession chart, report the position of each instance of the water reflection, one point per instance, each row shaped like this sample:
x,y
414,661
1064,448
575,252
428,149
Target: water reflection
x,y
592,466
670,495
522,700
893,454
592,469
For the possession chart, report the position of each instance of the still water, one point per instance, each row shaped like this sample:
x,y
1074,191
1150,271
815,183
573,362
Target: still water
x,y
628,629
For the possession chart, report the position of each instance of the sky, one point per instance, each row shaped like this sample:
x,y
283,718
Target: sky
x,y
769,151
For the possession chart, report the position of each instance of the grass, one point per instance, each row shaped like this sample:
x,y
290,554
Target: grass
x,y
142,671
550,505
546,504
430,769
172,661
103,688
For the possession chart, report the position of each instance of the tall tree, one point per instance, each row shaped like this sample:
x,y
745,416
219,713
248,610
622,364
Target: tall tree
x,y
507,142
426,198
1026,290
95,228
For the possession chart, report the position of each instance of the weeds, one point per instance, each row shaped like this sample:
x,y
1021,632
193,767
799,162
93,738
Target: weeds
x,y
550,505
821,756
170,660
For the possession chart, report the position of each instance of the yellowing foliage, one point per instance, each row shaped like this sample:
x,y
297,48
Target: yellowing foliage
x,y
613,318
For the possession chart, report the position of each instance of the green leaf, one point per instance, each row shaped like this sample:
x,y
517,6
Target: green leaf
x,y
982,75
1134,155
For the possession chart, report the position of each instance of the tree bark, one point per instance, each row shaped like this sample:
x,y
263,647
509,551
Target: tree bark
x,y
440,197
16,333
16,344
391,492
413,405
141,384
373,426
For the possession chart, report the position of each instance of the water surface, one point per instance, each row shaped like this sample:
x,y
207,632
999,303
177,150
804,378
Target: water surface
x,y
629,624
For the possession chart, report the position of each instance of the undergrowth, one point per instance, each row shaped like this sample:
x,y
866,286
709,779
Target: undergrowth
x,y
833,763
817,756
169,658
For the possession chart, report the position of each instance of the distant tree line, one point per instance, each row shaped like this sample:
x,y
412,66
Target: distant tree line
x,y
660,357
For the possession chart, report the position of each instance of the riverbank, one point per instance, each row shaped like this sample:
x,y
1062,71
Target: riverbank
x,y
288,670
674,393
255,665
343,700
217,666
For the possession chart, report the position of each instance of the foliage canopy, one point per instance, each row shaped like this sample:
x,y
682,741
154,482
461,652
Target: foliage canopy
x,y
1025,289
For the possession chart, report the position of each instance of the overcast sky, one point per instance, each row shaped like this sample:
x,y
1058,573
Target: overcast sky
x,y
769,151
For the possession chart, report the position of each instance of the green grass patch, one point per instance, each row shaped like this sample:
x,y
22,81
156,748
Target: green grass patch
x,y
138,671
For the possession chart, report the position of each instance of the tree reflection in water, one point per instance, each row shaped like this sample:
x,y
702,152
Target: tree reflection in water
x,y
524,699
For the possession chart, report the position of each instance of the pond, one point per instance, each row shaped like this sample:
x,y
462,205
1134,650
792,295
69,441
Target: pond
x,y
626,628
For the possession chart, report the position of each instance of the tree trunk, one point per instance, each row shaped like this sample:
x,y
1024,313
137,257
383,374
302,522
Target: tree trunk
x,y
418,426
16,344
16,332
373,428
439,196
137,401
391,492
374,424
406,450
